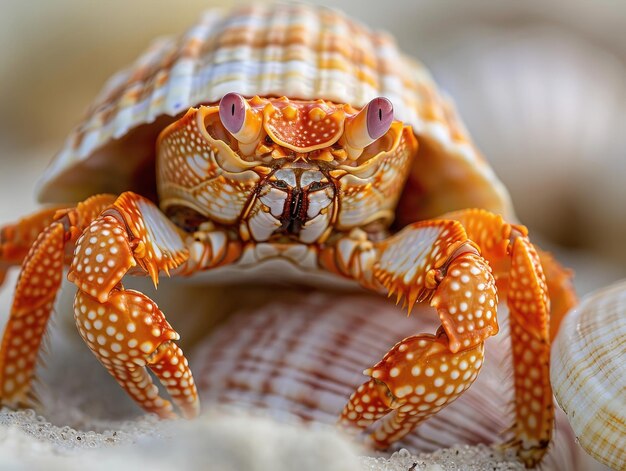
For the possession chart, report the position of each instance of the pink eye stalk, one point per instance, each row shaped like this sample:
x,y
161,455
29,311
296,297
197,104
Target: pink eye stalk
x,y
233,112
379,117
367,126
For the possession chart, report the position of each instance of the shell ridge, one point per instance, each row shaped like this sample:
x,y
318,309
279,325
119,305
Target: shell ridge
x,y
587,357
299,51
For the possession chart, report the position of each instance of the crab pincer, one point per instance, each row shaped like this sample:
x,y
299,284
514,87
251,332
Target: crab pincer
x,y
125,329
128,333
424,373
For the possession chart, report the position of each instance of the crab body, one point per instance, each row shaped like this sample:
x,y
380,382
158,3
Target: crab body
x,y
284,197
273,137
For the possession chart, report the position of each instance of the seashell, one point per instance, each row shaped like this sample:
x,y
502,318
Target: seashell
x,y
587,370
299,358
297,51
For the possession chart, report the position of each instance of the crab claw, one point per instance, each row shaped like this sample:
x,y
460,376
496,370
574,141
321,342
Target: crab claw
x,y
417,378
424,373
128,333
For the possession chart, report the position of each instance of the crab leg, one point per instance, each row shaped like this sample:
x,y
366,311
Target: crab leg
x,y
17,239
36,290
124,329
560,289
519,274
431,260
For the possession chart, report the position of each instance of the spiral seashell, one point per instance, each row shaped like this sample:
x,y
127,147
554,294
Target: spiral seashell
x,y
301,357
587,370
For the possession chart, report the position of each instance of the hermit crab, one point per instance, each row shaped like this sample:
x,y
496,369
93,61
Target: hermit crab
x,y
278,143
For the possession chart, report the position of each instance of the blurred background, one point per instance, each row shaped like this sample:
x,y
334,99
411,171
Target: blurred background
x,y
541,86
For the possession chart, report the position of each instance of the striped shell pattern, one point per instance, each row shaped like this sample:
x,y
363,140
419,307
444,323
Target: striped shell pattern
x,y
587,373
297,51
297,358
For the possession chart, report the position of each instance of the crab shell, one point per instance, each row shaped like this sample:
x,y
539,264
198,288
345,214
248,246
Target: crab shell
x,y
297,51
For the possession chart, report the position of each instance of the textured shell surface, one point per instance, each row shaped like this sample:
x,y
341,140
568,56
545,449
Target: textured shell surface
x,y
587,373
298,51
298,359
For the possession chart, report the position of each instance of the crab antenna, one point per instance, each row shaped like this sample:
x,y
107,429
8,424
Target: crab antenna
x,y
241,120
368,125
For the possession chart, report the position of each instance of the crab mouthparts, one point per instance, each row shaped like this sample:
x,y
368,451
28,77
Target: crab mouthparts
x,y
294,213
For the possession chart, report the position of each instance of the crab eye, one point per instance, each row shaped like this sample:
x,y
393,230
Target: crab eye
x,y
379,117
367,126
233,112
242,121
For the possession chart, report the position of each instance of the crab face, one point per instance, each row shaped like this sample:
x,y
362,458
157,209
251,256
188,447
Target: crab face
x,y
285,170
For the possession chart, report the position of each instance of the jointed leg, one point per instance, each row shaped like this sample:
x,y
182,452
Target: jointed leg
x,y
560,289
433,261
110,236
495,237
405,391
125,329
129,333
36,288
519,274
17,239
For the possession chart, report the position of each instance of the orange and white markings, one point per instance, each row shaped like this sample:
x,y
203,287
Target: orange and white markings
x,y
17,239
529,320
560,290
369,403
109,247
466,301
419,376
47,233
493,235
172,369
488,231
124,329
416,379
35,293
303,126
407,262
101,258
128,333
520,277
161,247
199,170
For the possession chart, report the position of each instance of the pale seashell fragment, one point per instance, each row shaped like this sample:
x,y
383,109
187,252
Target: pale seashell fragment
x,y
588,371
